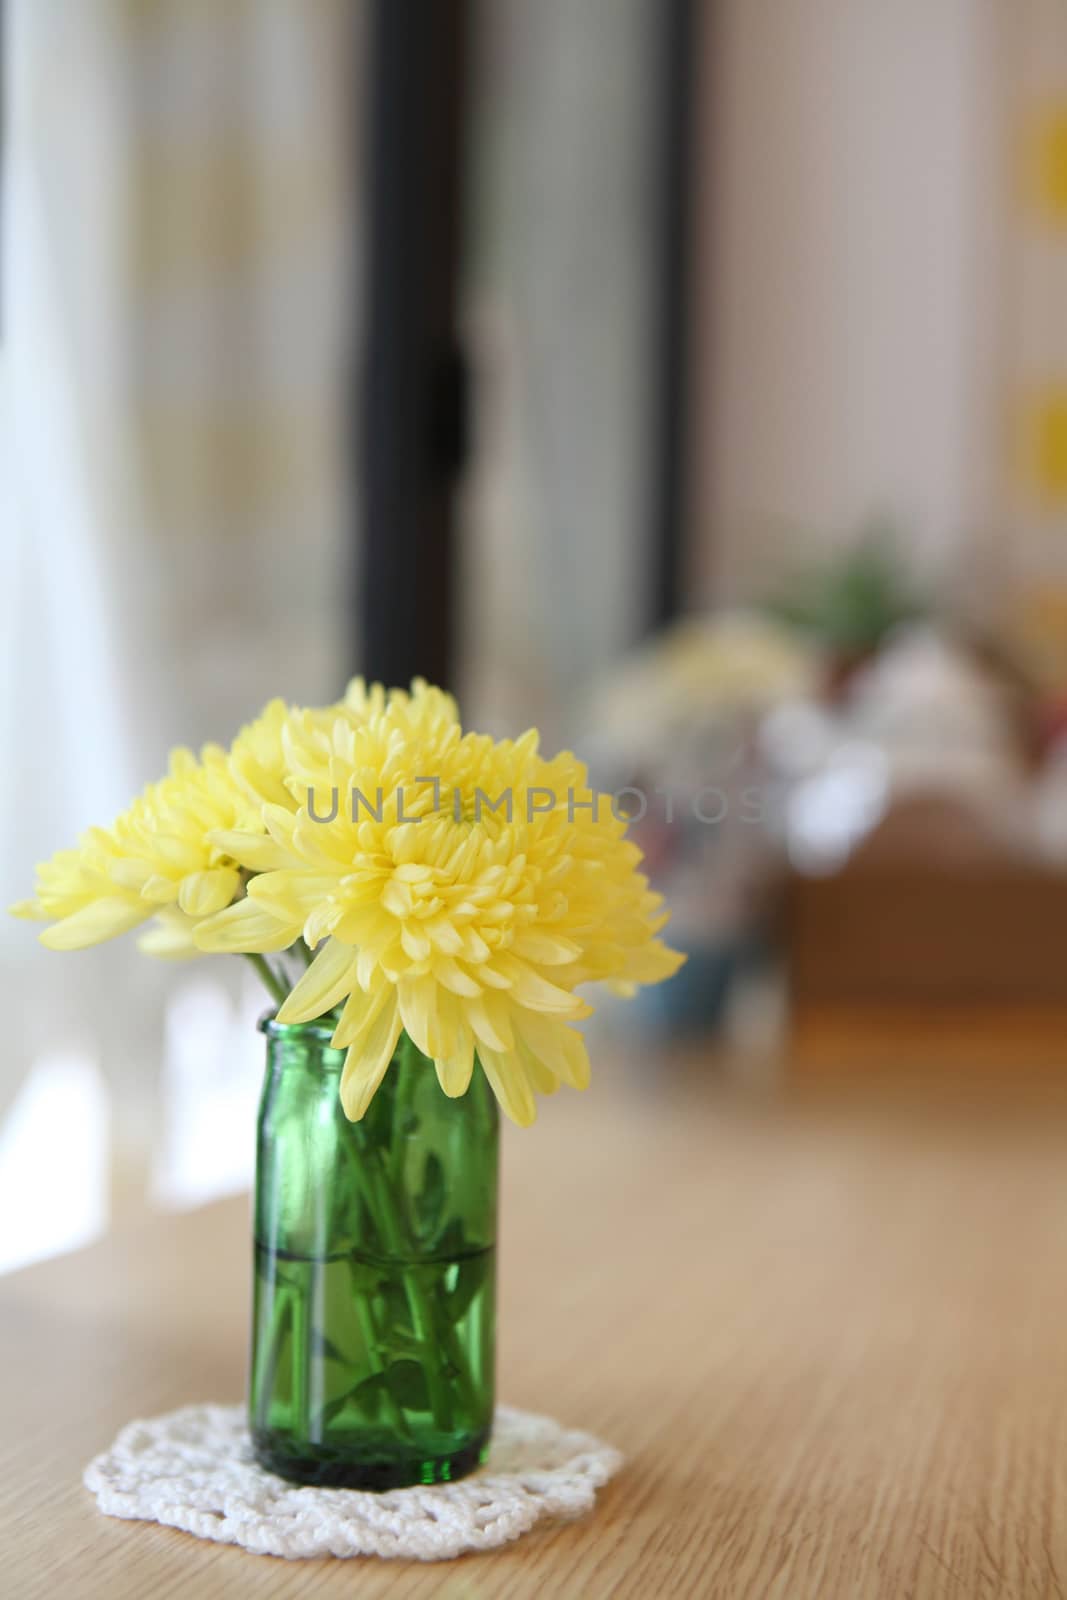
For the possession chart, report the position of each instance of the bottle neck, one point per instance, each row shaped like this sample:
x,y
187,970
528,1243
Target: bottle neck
x,y
303,1068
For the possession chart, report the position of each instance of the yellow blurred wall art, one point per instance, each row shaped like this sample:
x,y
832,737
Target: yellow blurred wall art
x,y
1042,452
1045,164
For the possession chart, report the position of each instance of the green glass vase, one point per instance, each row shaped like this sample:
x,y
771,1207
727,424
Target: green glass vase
x,y
374,1307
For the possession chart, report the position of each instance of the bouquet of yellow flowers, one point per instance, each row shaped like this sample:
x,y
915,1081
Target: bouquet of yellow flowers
x,y
434,881
413,897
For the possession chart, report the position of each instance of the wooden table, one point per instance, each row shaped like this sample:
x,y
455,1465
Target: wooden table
x,y
830,1336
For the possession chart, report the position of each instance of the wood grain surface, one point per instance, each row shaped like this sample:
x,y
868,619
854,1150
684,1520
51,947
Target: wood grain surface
x,y
830,1336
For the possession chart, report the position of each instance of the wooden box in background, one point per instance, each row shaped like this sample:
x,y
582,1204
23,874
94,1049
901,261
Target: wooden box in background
x,y
933,945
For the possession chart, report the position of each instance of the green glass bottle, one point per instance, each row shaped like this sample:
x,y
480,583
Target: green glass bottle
x,y
374,1310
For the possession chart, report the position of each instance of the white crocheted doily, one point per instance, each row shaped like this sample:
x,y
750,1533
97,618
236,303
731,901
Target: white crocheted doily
x,y
193,1469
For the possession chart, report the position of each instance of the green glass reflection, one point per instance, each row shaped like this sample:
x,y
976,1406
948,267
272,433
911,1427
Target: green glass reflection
x,y
374,1313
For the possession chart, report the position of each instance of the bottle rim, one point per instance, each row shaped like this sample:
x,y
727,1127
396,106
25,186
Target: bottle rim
x,y
319,1028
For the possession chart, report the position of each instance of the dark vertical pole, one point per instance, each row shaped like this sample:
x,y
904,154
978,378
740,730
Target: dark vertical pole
x,y
412,403
678,22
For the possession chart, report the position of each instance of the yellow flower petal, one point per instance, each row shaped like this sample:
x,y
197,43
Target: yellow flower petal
x,y
556,1045
327,981
169,937
94,923
203,893
653,963
454,977
508,1082
258,852
542,1079
131,873
551,949
489,1017
284,892
245,929
366,1063
30,909
160,890
358,1017
418,1012
454,1072
531,989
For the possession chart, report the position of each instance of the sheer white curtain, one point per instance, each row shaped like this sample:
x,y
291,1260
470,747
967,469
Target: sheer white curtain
x,y
67,474
177,217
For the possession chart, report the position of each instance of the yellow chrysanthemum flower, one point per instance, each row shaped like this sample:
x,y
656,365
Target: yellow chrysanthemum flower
x,y
155,858
425,704
258,754
454,887
459,888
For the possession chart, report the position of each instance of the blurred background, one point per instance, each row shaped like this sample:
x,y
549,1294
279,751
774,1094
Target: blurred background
x,y
687,377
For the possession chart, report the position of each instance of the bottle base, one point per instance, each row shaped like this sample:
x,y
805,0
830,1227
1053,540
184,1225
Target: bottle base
x,y
336,1468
